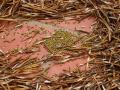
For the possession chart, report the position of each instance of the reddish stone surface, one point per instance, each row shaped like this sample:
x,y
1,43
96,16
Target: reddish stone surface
x,y
14,36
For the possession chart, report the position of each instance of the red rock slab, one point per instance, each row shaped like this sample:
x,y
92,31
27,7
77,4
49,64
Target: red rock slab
x,y
24,34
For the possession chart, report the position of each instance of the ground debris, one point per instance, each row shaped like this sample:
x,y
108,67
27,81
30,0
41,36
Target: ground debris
x,y
102,46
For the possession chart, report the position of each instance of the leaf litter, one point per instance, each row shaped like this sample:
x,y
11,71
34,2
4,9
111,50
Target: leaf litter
x,y
102,46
